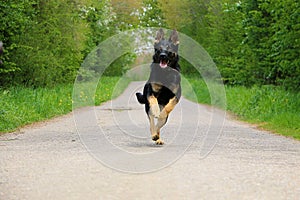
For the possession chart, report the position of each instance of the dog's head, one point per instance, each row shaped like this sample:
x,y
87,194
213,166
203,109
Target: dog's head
x,y
166,51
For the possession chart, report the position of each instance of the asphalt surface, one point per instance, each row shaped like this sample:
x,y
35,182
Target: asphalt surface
x,y
106,152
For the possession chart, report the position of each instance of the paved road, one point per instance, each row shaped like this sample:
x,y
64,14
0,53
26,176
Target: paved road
x,y
112,157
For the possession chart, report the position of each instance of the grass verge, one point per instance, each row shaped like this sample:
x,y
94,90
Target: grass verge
x,y
271,108
21,106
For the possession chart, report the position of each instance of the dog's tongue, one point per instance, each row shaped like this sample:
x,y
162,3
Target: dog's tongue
x,y
163,64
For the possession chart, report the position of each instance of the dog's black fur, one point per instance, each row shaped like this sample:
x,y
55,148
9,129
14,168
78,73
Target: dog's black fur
x,y
163,90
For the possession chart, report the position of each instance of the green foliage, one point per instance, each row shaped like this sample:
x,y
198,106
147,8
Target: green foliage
x,y
150,15
269,107
20,105
285,44
121,65
200,89
101,20
224,39
176,13
23,105
270,42
253,42
187,68
16,16
54,55
45,42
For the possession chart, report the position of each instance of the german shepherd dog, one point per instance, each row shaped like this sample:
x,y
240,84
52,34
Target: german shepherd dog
x,y
163,90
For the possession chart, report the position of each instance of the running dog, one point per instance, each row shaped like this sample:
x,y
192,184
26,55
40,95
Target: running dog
x,y
163,90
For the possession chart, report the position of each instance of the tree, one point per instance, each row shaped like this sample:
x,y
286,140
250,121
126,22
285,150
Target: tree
x,y
224,37
126,17
101,20
271,45
285,45
16,16
54,53
150,14
46,41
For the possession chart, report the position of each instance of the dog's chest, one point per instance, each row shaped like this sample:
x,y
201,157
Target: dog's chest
x,y
156,87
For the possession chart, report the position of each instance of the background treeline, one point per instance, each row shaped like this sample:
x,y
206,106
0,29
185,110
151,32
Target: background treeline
x,y
253,42
46,41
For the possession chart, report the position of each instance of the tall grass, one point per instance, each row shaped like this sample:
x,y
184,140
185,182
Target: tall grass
x,y
272,108
20,105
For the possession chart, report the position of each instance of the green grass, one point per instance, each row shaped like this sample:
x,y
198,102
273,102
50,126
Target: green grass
x,y
271,108
21,106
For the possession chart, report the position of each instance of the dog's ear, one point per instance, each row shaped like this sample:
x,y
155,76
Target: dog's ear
x,y
159,36
174,38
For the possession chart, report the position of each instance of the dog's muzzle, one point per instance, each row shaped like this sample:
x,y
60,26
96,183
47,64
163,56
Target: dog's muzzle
x,y
163,57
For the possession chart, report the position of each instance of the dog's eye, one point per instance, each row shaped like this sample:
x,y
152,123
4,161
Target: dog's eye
x,y
169,48
172,55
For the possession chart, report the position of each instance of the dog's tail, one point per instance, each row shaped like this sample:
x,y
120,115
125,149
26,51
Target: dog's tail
x,y
141,98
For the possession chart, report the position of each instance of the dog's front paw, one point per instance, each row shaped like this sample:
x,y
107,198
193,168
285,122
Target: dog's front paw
x,y
155,137
159,142
155,110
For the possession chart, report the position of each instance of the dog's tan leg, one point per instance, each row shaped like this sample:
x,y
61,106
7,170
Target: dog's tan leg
x,y
162,119
168,108
160,123
159,142
154,112
152,125
153,129
154,107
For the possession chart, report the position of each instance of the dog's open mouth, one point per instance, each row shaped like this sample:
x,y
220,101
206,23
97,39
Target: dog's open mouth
x,y
163,63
